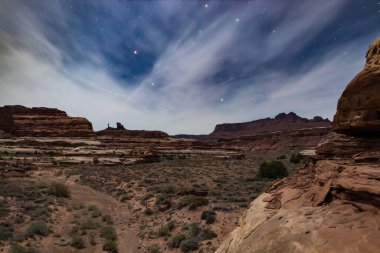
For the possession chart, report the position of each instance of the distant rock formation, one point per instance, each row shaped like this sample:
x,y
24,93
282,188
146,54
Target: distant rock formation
x,y
333,203
42,122
358,111
282,122
121,132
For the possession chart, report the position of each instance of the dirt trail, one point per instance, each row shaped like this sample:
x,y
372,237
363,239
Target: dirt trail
x,y
127,240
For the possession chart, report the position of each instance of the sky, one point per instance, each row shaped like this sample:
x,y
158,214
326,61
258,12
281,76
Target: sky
x,y
182,66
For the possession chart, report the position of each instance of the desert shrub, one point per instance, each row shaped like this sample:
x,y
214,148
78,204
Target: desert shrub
x,y
107,219
108,232
281,157
3,210
273,169
77,242
89,225
175,241
154,249
38,228
165,230
207,234
5,235
164,201
59,190
17,248
41,213
193,229
193,202
189,245
110,246
208,216
95,161
297,158
148,211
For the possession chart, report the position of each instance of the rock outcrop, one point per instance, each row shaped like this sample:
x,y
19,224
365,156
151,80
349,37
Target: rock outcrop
x,y
42,122
358,111
333,203
282,122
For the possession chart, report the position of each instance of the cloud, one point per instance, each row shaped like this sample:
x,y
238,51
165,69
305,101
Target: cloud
x,y
195,62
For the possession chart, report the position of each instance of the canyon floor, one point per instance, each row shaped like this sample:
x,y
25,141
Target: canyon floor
x,y
124,199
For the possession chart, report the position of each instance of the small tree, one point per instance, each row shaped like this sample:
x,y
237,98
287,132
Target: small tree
x,y
273,169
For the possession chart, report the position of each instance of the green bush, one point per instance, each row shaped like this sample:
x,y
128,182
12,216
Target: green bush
x,y
208,216
193,229
164,201
5,235
193,202
89,225
38,228
59,190
77,242
110,246
154,249
175,241
107,219
189,245
207,234
273,169
17,248
108,232
165,230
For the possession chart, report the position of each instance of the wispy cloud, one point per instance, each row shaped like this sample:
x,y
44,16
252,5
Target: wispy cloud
x,y
198,67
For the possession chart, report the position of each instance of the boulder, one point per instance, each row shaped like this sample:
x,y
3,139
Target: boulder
x,y
358,112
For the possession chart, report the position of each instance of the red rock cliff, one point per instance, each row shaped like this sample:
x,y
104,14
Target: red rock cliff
x,y
282,122
42,122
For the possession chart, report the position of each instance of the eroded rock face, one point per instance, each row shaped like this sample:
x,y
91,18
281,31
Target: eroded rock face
x,y
282,122
42,122
358,112
330,206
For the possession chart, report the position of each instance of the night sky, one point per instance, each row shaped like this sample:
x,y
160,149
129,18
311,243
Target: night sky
x,y
182,66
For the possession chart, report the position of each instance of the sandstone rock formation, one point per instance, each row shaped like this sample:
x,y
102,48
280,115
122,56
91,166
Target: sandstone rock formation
x,y
42,122
332,204
358,110
282,122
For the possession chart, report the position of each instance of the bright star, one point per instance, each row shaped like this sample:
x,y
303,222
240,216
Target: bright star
x,y
222,99
152,84
206,5
135,52
237,19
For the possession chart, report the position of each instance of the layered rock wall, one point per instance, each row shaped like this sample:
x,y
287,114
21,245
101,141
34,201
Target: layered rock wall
x,y
42,122
282,122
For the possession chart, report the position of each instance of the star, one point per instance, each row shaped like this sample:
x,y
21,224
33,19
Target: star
x,y
237,20
135,52
222,99
206,5
152,84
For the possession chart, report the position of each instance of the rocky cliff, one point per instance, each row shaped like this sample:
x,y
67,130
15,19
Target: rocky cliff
x,y
333,203
282,122
42,122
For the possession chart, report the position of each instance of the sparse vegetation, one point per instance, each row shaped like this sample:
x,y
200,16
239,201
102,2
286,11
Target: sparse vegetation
x,y
208,216
77,242
38,228
108,232
175,241
189,245
59,190
110,246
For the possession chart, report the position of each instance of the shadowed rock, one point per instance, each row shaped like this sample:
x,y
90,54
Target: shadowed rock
x,y
358,112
